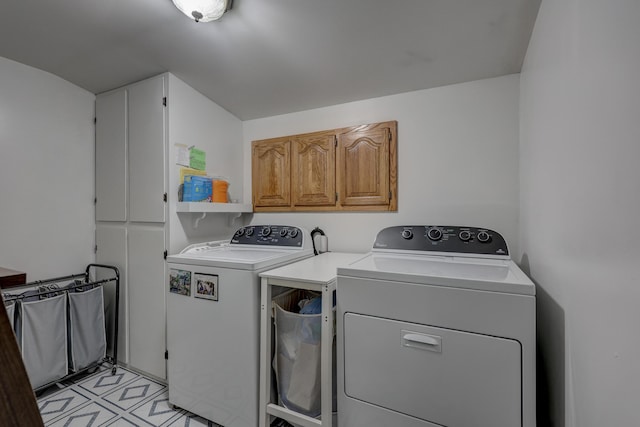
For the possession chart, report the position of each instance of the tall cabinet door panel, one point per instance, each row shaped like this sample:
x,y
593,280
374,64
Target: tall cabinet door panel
x,y
111,243
146,299
271,172
111,151
313,170
363,161
147,151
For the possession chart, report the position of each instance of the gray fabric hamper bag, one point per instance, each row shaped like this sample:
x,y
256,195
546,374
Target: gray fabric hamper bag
x,y
297,360
87,334
43,339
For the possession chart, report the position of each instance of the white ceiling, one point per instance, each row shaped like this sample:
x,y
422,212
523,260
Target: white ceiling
x,y
269,57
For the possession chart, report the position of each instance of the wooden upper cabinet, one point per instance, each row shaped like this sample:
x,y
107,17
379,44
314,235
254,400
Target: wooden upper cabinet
x,y
313,170
348,169
363,167
270,171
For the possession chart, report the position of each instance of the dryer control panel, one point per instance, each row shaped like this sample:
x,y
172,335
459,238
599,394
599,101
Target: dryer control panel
x,y
269,235
442,238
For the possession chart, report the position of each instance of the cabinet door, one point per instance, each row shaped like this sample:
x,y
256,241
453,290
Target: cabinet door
x,y
111,159
147,151
147,322
363,171
271,167
111,245
313,170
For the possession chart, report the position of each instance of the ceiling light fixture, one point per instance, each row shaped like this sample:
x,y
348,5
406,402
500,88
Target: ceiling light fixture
x,y
203,10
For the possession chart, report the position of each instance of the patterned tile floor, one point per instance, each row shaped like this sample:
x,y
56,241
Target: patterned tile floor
x,y
124,399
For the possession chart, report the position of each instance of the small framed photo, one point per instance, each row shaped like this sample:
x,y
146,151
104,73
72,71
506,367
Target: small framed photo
x,y
180,282
206,286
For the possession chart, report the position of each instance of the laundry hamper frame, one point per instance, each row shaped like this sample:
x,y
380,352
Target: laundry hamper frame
x,y
41,290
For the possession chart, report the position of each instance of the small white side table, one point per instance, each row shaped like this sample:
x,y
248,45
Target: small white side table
x,y
317,273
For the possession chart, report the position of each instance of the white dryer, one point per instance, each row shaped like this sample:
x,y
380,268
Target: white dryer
x,y
436,327
213,320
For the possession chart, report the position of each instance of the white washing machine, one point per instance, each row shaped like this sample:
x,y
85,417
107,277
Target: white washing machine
x,y
213,320
436,327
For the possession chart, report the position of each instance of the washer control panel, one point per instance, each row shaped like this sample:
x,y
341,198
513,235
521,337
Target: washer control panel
x,y
442,238
269,235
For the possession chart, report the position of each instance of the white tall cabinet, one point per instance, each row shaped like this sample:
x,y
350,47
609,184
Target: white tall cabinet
x,y
147,148
137,214
111,150
131,212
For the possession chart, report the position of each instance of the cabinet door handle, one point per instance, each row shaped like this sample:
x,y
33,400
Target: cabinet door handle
x,y
422,341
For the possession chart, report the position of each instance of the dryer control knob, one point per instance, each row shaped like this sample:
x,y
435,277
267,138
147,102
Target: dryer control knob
x,y
434,234
293,232
240,232
407,234
266,231
464,235
283,232
483,237
249,232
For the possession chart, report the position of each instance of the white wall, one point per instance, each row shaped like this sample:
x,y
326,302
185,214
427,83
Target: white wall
x,y
580,206
46,173
196,120
457,160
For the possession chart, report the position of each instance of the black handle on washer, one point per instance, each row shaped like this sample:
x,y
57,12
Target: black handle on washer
x,y
313,242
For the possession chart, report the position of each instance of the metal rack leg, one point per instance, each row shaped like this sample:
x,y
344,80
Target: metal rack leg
x,y
265,354
326,368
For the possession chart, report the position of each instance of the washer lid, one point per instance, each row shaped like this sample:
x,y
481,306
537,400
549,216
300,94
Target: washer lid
x,y
237,257
254,247
494,275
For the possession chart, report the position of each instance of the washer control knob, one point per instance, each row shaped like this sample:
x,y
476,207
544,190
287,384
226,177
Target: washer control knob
x,y
283,232
464,235
249,232
266,231
293,232
239,233
483,237
407,234
434,234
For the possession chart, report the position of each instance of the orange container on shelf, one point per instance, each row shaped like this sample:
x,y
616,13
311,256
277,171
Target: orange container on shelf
x,y
220,191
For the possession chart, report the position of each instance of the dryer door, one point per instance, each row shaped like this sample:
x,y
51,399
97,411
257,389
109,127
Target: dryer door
x,y
448,377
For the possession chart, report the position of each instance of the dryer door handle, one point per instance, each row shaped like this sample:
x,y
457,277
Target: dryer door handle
x,y
421,341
